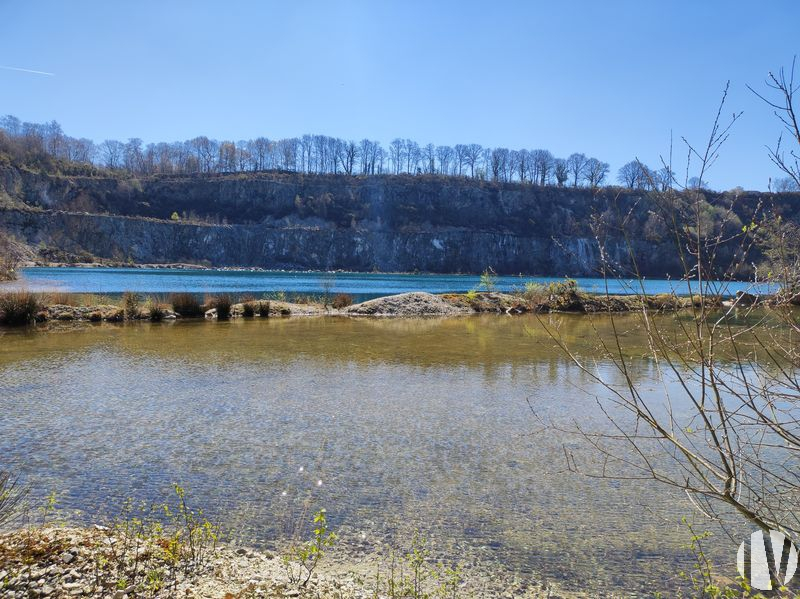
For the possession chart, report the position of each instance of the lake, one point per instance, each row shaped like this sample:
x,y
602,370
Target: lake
x,y
392,425
361,285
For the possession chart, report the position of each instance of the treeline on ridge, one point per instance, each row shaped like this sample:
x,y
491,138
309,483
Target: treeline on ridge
x,y
41,144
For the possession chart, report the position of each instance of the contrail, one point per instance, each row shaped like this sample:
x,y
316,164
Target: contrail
x,y
27,71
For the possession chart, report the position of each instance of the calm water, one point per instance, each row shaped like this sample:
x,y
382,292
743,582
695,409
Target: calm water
x,y
362,285
408,424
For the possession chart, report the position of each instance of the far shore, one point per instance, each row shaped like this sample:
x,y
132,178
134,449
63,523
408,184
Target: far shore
x,y
22,307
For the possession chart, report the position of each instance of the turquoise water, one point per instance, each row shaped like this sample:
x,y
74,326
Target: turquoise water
x,y
361,285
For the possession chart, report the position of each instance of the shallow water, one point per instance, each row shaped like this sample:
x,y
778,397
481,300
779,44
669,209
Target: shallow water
x,y
362,285
430,424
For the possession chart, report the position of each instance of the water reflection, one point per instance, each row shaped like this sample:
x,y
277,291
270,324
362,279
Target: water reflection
x,y
408,424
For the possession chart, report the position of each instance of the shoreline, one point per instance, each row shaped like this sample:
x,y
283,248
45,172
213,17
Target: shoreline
x,y
20,307
96,561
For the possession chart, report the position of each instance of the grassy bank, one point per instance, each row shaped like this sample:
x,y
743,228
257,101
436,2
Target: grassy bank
x,y
23,307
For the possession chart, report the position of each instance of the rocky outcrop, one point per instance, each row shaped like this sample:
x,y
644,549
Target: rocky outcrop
x,y
387,223
407,304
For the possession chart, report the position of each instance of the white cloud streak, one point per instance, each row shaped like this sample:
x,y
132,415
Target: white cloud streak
x,y
27,71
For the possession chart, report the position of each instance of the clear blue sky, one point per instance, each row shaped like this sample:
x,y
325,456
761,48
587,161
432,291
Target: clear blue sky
x,y
609,79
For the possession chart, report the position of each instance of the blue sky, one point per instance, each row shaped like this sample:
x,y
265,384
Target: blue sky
x,y
609,79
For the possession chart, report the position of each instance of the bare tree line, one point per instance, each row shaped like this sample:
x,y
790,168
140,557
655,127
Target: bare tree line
x,y
321,154
318,154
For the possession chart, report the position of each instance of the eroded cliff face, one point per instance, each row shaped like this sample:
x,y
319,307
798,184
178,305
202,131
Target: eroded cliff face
x,y
275,220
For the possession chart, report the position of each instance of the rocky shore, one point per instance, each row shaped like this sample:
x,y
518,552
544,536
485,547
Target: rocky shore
x,y
565,298
100,562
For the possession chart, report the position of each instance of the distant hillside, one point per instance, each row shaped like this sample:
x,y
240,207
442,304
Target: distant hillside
x,y
381,222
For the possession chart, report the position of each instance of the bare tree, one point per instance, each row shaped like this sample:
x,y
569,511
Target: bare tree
x,y
782,85
596,172
630,174
460,157
561,171
112,151
499,164
576,166
785,184
472,156
396,155
523,165
542,161
444,154
413,156
429,158
724,426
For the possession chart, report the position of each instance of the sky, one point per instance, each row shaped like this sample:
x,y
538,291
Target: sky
x,y
611,79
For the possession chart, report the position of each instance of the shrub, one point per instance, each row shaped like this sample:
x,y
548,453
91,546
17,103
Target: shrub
x,y
263,308
18,307
152,547
248,305
342,300
301,560
186,305
155,311
489,280
130,305
535,293
223,305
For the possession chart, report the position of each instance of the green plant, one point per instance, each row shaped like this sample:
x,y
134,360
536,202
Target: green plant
x,y
534,292
416,559
263,308
48,507
248,309
301,560
450,578
489,280
130,305
471,295
18,307
411,576
186,305
148,547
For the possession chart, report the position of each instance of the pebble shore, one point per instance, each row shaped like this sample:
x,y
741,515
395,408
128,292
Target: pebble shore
x,y
78,562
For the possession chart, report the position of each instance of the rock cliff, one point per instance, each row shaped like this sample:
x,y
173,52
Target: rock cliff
x,y
386,223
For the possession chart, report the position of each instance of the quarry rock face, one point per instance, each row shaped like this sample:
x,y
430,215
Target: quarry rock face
x,y
385,223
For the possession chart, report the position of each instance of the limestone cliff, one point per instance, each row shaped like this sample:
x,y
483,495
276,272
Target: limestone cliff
x,y
386,223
